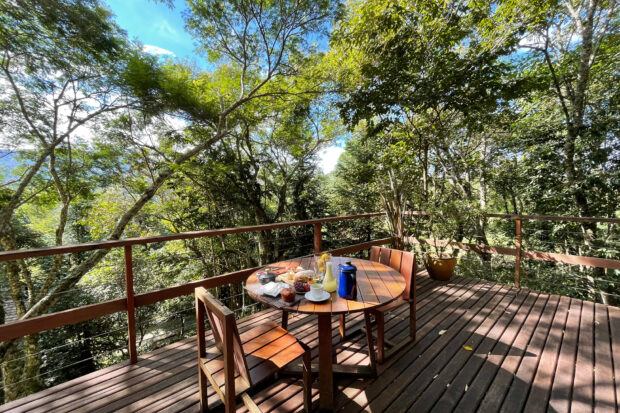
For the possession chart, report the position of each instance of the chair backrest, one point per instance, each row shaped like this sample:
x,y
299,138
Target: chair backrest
x,y
384,256
225,333
408,269
374,253
402,261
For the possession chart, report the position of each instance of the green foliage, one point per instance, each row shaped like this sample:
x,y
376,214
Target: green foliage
x,y
416,56
59,34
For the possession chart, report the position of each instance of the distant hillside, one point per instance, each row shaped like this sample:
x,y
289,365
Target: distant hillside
x,y
8,161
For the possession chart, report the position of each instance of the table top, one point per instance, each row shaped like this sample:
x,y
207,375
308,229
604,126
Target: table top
x,y
377,284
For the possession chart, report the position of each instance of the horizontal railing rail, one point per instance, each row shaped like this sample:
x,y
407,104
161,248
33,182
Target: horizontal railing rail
x,y
537,217
519,252
534,255
555,218
101,245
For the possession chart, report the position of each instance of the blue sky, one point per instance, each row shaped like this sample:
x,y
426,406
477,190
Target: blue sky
x,y
160,28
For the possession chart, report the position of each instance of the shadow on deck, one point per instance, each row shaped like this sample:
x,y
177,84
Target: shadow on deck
x,y
481,347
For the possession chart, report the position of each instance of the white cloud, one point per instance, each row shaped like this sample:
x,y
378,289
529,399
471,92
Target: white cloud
x,y
329,158
165,29
156,50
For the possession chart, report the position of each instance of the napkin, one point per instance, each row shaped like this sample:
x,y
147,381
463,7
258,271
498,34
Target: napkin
x,y
273,289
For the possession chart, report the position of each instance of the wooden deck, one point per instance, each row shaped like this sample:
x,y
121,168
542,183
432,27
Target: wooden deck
x,y
481,347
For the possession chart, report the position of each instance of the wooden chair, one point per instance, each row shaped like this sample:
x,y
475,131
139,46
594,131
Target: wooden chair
x,y
403,262
239,362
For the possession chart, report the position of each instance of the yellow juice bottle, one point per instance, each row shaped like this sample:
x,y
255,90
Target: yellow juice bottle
x,y
329,282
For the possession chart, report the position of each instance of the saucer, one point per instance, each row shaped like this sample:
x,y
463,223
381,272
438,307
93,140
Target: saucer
x,y
324,296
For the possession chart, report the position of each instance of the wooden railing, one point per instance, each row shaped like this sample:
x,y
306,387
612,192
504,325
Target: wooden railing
x,y
518,252
132,301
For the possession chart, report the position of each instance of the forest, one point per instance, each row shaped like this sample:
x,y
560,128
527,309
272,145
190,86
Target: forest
x,y
458,108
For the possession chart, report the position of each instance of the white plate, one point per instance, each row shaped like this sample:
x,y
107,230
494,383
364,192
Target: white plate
x,y
322,297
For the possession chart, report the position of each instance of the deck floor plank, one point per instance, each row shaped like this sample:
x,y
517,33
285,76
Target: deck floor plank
x,y
541,386
564,376
476,300
604,396
465,376
395,366
530,352
583,385
523,378
452,346
486,382
614,331
505,376
447,380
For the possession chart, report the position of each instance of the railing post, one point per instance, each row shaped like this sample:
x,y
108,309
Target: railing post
x,y
318,238
518,257
131,309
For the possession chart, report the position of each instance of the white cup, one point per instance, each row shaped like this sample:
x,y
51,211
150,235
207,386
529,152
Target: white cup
x,y
316,290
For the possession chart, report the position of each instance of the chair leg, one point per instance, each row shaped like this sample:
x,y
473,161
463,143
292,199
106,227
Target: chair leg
x,y
249,403
412,316
380,317
307,381
284,319
342,327
230,398
202,388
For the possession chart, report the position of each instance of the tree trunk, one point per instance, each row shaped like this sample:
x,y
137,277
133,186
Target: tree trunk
x,y
265,247
20,374
12,367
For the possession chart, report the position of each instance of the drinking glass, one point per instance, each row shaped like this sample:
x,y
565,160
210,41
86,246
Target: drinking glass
x,y
319,270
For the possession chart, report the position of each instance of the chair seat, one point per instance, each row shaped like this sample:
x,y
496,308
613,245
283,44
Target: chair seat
x,y
267,347
390,306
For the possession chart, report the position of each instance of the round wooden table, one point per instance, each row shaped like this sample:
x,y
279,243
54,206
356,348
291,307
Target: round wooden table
x,y
377,284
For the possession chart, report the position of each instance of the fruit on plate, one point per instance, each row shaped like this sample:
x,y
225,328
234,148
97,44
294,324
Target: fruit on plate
x,y
301,278
301,287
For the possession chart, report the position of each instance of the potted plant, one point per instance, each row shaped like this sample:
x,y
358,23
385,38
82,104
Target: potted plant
x,y
439,262
446,224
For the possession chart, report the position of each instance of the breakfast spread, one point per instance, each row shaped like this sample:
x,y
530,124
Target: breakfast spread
x,y
300,279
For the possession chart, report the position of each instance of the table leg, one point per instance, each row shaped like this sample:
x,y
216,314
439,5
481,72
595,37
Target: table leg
x,y
343,331
326,376
284,319
371,347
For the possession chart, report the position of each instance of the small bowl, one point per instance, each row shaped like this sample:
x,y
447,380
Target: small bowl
x,y
265,278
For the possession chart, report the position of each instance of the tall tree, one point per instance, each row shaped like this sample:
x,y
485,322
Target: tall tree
x,y
69,55
419,73
58,68
569,42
